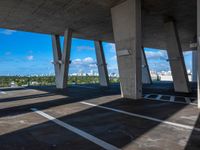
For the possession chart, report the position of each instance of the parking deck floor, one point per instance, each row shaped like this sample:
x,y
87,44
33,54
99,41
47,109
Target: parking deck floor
x,y
81,118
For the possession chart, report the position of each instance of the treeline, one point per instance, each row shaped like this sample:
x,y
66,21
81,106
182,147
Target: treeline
x,y
9,81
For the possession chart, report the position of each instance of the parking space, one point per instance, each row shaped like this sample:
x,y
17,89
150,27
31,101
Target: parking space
x,y
44,118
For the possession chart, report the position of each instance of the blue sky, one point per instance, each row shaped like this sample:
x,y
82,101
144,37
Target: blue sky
x,y
24,53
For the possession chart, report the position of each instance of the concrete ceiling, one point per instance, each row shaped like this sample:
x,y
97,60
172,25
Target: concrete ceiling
x,y
91,19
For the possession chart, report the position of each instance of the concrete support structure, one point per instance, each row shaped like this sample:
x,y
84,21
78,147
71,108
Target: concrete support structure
x,y
101,63
146,77
198,52
176,60
61,59
126,18
194,66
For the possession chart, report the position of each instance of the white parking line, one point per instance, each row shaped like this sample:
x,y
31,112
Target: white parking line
x,y
144,117
147,95
83,86
158,97
187,99
85,135
172,98
2,92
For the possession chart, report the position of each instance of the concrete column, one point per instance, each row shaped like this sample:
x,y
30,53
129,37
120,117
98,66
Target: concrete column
x,y
61,59
101,63
146,77
176,60
126,18
56,56
194,66
198,52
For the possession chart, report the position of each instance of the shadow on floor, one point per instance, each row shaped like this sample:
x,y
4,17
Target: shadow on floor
x,y
114,128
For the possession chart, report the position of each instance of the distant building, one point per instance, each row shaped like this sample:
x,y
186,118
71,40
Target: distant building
x,y
13,84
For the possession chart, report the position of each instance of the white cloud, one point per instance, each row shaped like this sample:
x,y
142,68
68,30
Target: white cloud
x,y
114,58
85,64
76,61
7,32
161,54
85,61
83,48
187,53
88,60
92,65
31,57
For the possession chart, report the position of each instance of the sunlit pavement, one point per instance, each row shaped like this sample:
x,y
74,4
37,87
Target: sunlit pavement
x,y
94,118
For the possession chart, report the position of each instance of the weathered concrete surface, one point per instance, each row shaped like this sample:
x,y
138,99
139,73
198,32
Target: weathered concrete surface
x,y
101,64
61,58
22,129
91,19
126,19
176,60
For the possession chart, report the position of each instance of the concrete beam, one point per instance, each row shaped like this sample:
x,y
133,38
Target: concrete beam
x,y
126,19
194,66
61,60
146,77
101,63
198,52
176,60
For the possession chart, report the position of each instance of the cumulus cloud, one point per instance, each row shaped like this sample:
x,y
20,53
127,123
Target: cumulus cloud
x,y
187,53
161,54
85,64
88,60
85,61
31,57
83,48
113,58
7,32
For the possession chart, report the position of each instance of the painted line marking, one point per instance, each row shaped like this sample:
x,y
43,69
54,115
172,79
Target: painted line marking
x,y
144,117
82,86
172,98
83,134
2,92
158,97
147,95
155,99
173,102
187,99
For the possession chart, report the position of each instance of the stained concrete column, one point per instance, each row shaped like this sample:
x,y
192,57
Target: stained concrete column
x,y
101,63
198,52
61,59
194,66
146,77
176,60
126,18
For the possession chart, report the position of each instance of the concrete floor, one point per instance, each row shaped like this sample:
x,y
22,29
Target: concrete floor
x,y
121,123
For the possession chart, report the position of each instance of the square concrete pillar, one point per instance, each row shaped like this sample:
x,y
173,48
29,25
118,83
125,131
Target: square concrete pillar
x,y
61,59
176,60
198,52
126,18
101,63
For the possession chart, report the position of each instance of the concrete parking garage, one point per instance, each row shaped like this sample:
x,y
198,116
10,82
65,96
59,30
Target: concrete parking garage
x,y
128,116
26,120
